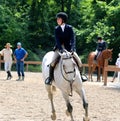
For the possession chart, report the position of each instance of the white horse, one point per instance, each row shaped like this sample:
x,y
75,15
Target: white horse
x,y
67,78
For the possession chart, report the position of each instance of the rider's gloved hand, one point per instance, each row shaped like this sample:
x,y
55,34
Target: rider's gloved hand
x,y
61,51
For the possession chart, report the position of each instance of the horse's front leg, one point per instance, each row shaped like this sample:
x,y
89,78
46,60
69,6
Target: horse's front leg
x,y
102,71
92,70
98,74
50,95
85,104
69,106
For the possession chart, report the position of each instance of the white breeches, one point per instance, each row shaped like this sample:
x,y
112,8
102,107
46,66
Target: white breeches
x,y
54,59
7,66
96,51
56,56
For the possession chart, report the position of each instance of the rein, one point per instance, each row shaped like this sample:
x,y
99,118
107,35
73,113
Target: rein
x,y
69,72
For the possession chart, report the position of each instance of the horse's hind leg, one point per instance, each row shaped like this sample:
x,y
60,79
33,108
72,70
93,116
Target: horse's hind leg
x,y
69,106
85,104
90,73
50,95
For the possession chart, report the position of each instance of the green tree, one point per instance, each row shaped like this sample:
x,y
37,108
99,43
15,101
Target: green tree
x,y
31,23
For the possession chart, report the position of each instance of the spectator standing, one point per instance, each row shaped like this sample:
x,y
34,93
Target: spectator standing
x,y
19,55
118,65
7,54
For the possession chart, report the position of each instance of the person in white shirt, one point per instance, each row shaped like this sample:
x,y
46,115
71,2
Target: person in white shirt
x,y
7,54
118,65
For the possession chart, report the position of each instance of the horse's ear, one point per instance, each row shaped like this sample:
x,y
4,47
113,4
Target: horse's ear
x,y
111,49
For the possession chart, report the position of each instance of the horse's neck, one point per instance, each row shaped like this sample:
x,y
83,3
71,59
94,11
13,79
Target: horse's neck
x,y
101,60
60,72
104,58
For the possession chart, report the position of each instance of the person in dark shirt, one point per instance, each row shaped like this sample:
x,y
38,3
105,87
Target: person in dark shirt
x,y
19,55
65,39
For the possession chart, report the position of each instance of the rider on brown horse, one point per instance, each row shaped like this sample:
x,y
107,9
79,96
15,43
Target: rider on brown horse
x,y
101,45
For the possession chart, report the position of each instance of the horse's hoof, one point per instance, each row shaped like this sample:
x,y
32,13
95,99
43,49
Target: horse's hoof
x,y
67,113
53,117
104,84
86,119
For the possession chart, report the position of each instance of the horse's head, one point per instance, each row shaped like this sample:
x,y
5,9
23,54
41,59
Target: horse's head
x,y
107,54
67,61
67,65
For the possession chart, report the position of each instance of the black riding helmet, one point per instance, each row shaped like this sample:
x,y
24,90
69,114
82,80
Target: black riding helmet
x,y
62,15
99,38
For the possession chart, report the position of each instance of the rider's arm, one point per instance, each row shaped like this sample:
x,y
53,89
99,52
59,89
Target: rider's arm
x,y
58,44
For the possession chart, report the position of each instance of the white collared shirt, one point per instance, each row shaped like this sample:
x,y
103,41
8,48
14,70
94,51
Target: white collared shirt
x,y
7,53
62,27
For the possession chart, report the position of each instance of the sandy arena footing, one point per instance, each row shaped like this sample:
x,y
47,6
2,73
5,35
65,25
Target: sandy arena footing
x,y
27,100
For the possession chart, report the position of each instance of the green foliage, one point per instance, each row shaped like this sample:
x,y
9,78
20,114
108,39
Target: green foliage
x,y
32,56
12,26
33,68
31,23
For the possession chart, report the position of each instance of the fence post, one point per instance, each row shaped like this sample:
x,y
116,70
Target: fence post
x,y
27,67
0,62
105,72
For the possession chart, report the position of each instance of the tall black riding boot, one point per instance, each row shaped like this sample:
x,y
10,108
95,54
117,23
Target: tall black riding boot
x,y
9,75
50,78
83,76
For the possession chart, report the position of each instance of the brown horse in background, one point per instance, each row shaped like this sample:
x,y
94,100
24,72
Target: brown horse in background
x,y
99,64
